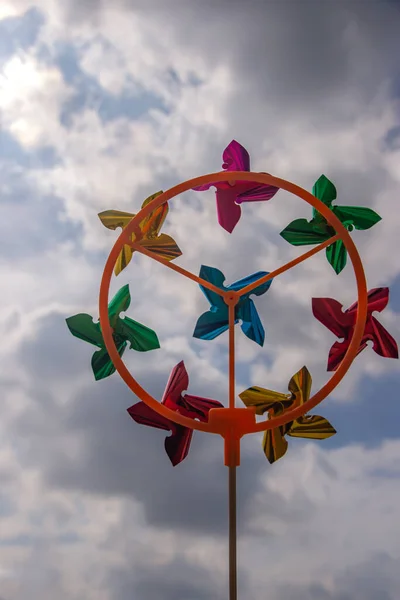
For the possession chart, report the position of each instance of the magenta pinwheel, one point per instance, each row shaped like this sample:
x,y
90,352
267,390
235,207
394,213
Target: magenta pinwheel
x,y
330,313
229,197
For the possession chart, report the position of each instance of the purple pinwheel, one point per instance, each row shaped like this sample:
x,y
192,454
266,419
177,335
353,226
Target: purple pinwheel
x,y
178,443
231,195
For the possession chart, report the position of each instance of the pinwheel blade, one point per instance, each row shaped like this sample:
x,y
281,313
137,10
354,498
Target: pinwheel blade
x,y
112,219
360,217
177,445
274,444
211,324
383,343
151,225
311,427
228,212
324,190
178,383
145,415
120,303
242,283
300,386
301,232
262,399
336,254
82,327
163,245
217,278
123,260
199,407
378,299
102,364
259,193
235,157
140,337
251,322
330,313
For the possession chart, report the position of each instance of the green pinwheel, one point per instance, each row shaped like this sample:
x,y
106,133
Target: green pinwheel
x,y
125,330
302,232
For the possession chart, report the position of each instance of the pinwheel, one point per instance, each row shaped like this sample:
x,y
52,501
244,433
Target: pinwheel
x,y
161,244
302,232
177,445
230,195
275,403
216,320
330,313
140,337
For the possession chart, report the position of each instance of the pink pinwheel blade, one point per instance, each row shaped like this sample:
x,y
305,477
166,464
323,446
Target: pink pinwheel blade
x,y
258,194
203,188
235,157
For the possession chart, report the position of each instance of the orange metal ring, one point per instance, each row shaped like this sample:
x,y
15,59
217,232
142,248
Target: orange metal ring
x,y
235,422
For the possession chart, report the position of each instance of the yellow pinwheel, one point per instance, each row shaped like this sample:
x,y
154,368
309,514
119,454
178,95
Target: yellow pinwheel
x,y
161,244
275,403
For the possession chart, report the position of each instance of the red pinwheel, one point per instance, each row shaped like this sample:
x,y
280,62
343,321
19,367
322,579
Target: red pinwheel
x,y
329,312
176,445
230,196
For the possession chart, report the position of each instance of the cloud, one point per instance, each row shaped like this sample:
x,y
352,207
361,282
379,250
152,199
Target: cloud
x,y
102,105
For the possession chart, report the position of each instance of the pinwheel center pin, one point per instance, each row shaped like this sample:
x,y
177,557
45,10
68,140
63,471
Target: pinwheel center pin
x,y
286,414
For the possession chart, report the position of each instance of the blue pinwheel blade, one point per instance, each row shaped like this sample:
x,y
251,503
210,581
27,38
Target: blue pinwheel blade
x,y
251,322
258,291
217,278
211,324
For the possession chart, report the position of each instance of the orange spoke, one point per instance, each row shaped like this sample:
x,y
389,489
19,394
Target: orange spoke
x,y
290,264
231,355
137,247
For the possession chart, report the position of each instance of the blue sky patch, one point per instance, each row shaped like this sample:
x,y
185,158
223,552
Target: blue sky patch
x,y
44,157
20,33
370,419
89,93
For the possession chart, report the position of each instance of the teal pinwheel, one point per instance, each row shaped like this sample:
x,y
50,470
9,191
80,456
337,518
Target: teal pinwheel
x,y
216,320
302,232
125,330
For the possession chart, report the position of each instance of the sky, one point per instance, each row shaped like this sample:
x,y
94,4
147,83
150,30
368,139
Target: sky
x,y
101,105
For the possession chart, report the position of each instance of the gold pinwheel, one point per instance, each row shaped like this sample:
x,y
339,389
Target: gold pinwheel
x,y
275,403
161,244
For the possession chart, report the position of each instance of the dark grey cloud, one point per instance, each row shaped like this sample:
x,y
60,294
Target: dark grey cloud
x,y
304,54
36,218
118,456
375,579
177,580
